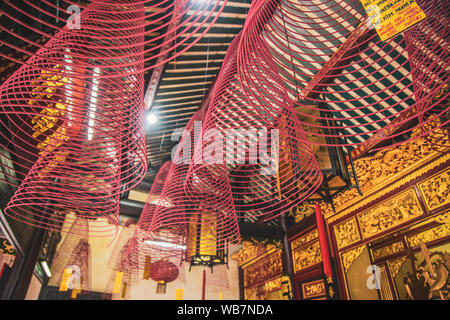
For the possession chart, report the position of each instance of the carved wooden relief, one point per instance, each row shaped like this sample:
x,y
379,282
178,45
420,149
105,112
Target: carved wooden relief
x,y
306,256
263,269
429,235
394,265
297,243
388,250
348,257
347,233
389,214
313,289
436,190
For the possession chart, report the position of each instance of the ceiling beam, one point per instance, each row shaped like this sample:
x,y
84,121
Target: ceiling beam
x,y
158,70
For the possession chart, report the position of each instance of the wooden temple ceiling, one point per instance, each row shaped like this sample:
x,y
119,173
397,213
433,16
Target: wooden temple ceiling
x,y
186,80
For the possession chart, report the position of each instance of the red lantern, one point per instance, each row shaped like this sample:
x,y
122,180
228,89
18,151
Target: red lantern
x,y
163,271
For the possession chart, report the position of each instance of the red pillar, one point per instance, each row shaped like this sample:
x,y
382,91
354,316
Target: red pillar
x,y
323,243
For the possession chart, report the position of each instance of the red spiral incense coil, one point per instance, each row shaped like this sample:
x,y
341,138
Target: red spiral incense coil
x,y
247,164
187,223
72,115
178,226
76,138
170,27
138,252
342,81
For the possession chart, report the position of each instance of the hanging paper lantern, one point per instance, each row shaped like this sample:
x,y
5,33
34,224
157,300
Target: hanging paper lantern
x,y
205,245
163,271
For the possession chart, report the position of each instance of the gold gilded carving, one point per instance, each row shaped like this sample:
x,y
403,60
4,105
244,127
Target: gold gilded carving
x,y
390,213
436,190
429,235
306,209
388,250
312,235
313,289
263,269
307,256
394,265
348,257
443,218
253,249
347,233
379,174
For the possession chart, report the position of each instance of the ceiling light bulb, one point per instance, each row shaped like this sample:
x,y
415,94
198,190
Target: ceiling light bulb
x,y
151,118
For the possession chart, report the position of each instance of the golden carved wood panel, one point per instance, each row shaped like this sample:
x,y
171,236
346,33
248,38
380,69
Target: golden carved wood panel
x,y
312,235
436,190
429,235
348,257
389,214
388,250
263,269
347,233
306,256
313,289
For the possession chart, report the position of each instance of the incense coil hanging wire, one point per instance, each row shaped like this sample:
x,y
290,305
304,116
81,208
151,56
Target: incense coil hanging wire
x,y
342,81
75,126
250,165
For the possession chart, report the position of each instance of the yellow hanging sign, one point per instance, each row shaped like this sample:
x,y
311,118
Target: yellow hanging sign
x,y
64,285
75,292
179,294
117,282
390,17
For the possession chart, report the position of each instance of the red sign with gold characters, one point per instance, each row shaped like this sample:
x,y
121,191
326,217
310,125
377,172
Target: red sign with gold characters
x,y
390,17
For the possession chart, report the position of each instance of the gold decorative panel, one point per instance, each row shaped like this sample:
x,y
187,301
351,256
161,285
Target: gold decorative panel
x,y
263,269
385,166
394,265
307,256
388,250
313,289
312,235
347,233
254,249
436,190
389,214
348,257
429,235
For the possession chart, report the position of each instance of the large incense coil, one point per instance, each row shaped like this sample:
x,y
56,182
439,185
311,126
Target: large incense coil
x,y
268,169
344,83
75,132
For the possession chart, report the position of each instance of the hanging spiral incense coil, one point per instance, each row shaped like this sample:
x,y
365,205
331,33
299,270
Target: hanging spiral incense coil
x,y
75,125
138,251
342,81
247,164
72,114
168,26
